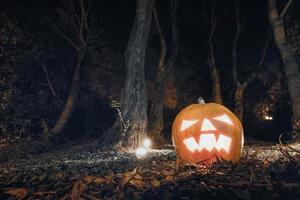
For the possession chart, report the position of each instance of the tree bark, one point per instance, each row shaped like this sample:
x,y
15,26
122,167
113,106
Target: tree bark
x,y
291,68
156,110
239,87
71,99
156,104
134,98
239,102
214,72
217,94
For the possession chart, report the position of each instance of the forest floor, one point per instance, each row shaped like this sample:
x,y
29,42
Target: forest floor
x,y
37,170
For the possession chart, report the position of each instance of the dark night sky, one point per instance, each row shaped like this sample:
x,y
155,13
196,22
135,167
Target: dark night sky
x,y
119,14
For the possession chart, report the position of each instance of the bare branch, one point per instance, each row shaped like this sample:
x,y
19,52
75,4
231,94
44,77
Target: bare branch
x,y
42,64
286,8
235,41
115,72
71,42
264,51
258,72
163,48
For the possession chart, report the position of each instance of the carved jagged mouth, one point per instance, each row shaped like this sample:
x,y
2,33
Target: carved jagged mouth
x,y
208,142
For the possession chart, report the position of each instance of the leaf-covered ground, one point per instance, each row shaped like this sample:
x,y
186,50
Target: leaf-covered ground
x,y
43,171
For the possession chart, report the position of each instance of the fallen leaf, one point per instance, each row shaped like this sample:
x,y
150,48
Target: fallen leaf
x,y
59,175
133,172
138,177
169,178
136,182
89,179
155,183
266,164
99,180
17,192
45,193
78,187
166,172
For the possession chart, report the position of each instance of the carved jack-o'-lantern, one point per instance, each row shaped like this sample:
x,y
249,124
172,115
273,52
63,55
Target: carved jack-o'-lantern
x,y
202,133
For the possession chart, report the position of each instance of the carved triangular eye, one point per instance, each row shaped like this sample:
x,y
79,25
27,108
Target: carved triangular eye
x,y
224,118
187,123
207,126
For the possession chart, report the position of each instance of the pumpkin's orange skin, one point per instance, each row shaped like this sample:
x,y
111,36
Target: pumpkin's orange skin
x,y
208,111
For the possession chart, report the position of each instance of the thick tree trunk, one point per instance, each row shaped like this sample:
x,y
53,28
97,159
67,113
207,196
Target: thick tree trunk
x,y
131,129
291,69
239,102
71,99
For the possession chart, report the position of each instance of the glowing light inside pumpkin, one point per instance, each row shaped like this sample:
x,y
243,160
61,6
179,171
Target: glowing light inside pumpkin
x,y
187,123
147,143
208,142
207,126
191,144
223,143
141,152
224,118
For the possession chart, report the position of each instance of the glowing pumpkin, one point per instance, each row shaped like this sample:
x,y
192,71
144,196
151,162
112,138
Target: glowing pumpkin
x,y
202,133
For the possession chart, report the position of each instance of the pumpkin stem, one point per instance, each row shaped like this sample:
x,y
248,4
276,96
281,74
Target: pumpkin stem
x,y
201,100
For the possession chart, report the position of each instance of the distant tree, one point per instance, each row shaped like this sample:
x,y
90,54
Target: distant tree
x,y
78,28
291,67
131,127
213,68
156,108
9,54
10,37
215,14
257,72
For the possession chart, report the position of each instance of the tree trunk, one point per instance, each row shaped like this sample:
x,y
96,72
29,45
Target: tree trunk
x,y
238,102
156,110
215,75
217,95
71,99
156,105
131,129
291,69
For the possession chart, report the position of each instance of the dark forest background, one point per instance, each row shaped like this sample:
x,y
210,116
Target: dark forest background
x,y
37,65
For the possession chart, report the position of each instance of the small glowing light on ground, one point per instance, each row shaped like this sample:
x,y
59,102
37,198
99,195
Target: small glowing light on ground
x,y
147,143
141,152
268,117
